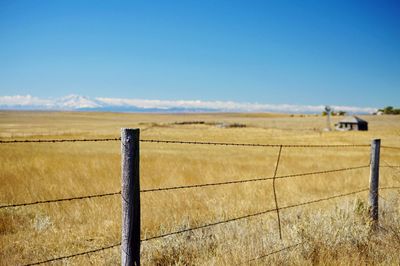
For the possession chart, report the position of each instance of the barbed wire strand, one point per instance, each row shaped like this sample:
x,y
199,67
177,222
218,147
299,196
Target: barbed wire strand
x,y
59,200
395,169
380,196
188,142
391,147
325,171
325,199
209,225
74,255
252,144
391,166
394,187
201,185
252,215
180,187
253,180
56,140
199,227
274,190
273,252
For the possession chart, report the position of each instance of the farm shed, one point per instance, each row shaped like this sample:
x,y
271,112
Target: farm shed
x,y
352,123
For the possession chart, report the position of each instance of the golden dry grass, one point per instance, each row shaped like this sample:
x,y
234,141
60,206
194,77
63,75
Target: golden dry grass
x,y
333,232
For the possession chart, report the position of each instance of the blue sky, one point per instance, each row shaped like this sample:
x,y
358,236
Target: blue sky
x,y
275,52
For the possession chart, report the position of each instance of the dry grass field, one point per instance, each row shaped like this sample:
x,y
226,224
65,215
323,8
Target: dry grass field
x,y
334,232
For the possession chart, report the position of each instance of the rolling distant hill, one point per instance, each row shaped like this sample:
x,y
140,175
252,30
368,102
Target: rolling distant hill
x,y
82,103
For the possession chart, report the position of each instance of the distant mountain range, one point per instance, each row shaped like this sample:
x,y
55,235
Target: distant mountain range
x,y
82,103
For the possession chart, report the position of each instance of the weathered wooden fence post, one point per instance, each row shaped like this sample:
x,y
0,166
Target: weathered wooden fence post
x,y
130,240
374,181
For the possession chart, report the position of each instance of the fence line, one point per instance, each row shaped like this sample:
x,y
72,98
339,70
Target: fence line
x,y
190,142
74,255
59,200
273,178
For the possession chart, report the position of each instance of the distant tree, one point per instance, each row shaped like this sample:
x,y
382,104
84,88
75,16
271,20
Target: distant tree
x,y
341,113
390,110
332,113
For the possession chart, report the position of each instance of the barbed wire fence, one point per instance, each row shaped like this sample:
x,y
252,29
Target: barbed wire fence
x,y
274,178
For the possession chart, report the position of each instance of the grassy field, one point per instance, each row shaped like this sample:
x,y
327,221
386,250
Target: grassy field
x,y
333,232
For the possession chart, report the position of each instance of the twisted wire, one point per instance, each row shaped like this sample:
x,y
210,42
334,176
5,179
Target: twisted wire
x,y
193,142
391,147
393,167
273,252
325,171
394,187
59,200
325,199
179,187
73,255
252,215
274,190
252,180
208,225
57,140
389,165
253,144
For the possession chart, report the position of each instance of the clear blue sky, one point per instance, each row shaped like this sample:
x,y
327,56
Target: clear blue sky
x,y
295,52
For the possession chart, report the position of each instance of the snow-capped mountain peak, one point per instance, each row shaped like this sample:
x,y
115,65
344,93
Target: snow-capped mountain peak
x,y
74,101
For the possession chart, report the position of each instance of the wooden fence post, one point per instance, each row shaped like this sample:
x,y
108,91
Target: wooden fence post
x,y
130,240
374,181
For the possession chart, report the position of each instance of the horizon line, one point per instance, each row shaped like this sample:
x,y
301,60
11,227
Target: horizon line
x,y
75,102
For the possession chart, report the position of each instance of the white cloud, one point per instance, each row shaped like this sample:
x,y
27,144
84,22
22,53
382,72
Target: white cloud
x,y
74,102
229,106
67,102
24,100
352,109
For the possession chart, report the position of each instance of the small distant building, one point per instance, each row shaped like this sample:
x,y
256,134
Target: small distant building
x,y
352,123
